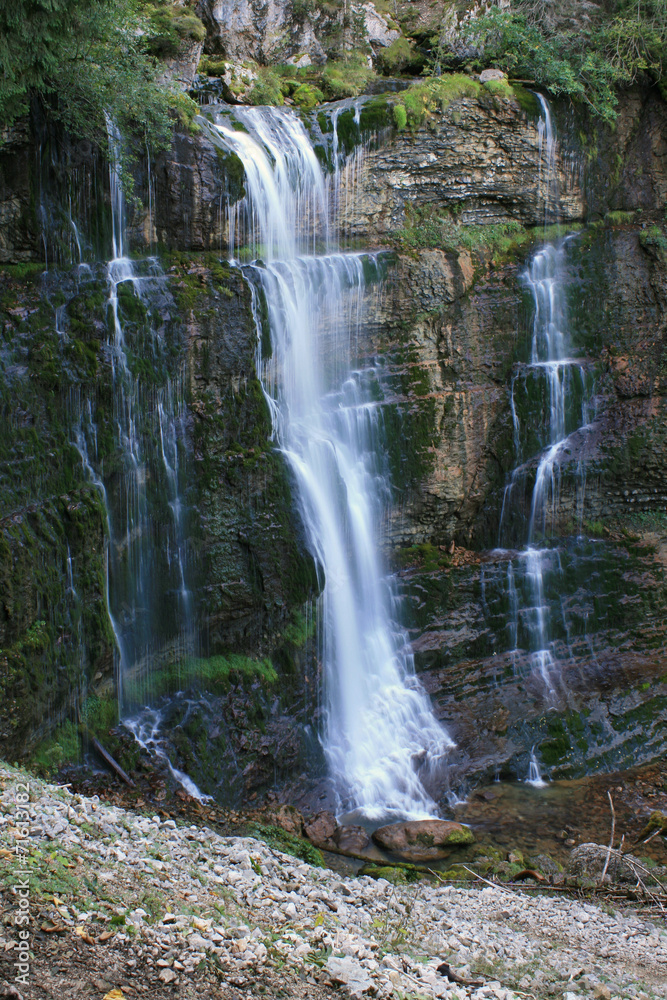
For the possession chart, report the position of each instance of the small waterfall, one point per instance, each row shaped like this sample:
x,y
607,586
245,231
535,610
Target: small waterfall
x,y
534,774
137,473
145,727
557,379
381,738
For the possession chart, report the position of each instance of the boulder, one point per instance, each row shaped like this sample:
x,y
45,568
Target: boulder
x,y
324,832
352,839
321,830
491,74
350,972
588,860
287,818
423,840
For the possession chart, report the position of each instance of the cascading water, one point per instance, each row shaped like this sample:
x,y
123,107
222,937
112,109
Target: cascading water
x,y
138,476
381,738
559,383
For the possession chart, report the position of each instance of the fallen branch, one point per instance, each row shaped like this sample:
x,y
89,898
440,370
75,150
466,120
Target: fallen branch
x,y
494,885
108,759
529,873
611,839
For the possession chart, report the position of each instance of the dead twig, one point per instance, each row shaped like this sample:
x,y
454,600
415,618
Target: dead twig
x,y
494,885
611,839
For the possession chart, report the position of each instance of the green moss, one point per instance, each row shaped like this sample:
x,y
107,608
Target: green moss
x,y
397,874
28,272
428,557
234,174
499,88
307,96
280,840
300,629
436,94
400,117
526,100
214,674
619,218
376,115
443,232
460,837
170,26
458,874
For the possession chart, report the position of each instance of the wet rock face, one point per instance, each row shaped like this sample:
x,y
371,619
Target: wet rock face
x,y
447,337
18,231
254,565
480,155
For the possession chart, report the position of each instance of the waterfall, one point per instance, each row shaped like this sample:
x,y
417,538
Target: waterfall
x,y
137,472
381,738
534,773
559,380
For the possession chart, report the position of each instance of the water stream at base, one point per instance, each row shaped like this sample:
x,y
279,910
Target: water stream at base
x,y
149,603
383,744
561,381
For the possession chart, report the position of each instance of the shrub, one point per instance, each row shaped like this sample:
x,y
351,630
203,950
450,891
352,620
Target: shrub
x,y
400,117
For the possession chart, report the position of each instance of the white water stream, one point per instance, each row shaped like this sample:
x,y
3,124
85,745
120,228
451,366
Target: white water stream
x,y
147,594
381,738
560,379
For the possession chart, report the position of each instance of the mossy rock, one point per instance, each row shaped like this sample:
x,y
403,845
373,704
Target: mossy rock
x,y
307,96
396,874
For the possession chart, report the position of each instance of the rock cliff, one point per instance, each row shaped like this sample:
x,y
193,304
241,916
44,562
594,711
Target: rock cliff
x,y
447,335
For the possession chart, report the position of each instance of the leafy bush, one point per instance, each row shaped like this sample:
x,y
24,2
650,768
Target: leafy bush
x,y
267,88
582,50
400,117
347,78
400,56
84,60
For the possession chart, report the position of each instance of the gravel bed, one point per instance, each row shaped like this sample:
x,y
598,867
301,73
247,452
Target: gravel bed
x,y
181,901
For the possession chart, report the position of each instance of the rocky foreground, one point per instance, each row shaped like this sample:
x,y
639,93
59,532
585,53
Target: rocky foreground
x,y
131,903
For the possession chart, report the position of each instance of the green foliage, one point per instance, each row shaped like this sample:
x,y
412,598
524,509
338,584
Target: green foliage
x,y
445,233
280,840
268,88
399,57
400,117
582,51
435,94
307,96
83,60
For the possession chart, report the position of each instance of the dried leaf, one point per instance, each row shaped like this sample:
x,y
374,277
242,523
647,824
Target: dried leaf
x,y
82,933
4,853
114,995
53,929
106,935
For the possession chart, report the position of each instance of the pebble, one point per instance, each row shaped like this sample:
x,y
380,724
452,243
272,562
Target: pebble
x,y
250,905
